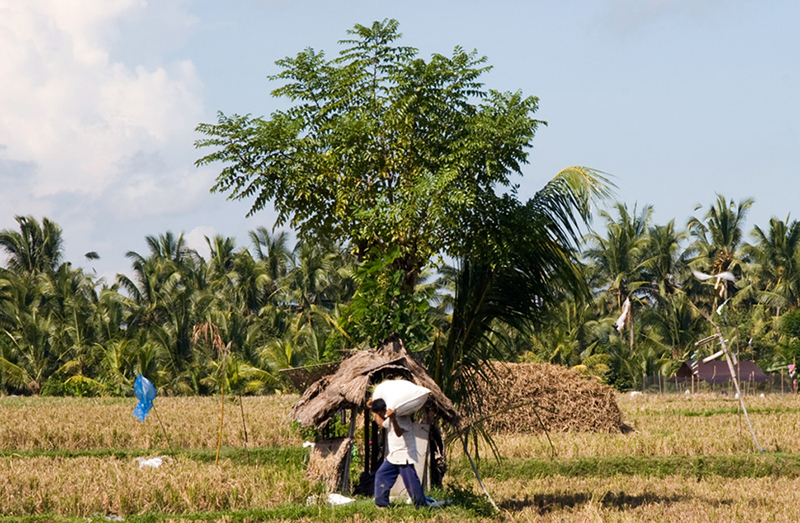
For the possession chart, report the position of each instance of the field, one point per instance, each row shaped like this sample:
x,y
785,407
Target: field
x,y
689,459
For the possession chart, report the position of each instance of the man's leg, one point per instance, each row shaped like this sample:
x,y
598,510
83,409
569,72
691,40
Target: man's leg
x,y
413,486
385,477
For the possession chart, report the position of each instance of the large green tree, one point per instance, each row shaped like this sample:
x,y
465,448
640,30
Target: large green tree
x,y
381,149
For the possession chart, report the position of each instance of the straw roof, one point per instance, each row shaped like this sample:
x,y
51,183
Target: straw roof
x,y
348,387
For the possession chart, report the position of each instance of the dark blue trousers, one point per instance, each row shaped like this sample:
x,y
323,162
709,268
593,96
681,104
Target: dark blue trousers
x,y
385,478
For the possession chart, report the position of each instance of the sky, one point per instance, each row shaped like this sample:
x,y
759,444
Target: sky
x,y
677,100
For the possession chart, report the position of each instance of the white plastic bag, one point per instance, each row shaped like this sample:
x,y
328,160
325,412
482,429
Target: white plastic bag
x,y
404,397
153,463
338,499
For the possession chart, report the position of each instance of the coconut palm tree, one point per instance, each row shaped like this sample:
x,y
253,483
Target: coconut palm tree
x,y
774,272
30,346
166,298
616,261
36,248
673,326
617,258
662,263
498,293
717,241
273,250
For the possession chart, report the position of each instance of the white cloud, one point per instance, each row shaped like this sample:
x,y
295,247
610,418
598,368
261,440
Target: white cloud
x,y
632,16
75,121
196,239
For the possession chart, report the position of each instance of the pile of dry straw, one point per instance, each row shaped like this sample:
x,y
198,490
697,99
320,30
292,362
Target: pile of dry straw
x,y
562,398
327,462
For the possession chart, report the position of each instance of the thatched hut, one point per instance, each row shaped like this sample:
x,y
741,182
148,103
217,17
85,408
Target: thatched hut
x,y
347,390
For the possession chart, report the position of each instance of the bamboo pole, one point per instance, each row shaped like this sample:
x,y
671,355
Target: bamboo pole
x,y
244,428
475,469
169,443
221,415
210,332
735,380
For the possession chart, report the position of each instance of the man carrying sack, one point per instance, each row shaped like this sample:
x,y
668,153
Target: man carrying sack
x,y
401,455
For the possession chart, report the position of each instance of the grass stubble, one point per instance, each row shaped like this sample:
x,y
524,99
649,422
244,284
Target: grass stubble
x,y
689,459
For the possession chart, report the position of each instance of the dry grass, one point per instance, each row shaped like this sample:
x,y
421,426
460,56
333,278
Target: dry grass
x,y
639,499
676,426
86,486
75,424
75,485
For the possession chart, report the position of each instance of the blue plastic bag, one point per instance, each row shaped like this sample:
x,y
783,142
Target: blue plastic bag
x,y
145,392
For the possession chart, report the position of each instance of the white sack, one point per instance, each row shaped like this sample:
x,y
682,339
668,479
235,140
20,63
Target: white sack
x,y
404,397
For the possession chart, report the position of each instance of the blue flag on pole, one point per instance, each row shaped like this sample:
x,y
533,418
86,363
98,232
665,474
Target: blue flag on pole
x,y
145,392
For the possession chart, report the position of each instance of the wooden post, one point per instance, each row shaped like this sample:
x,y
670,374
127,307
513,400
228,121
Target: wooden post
x,y
377,442
349,458
367,461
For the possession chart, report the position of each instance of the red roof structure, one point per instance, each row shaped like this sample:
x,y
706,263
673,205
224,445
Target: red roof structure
x,y
715,372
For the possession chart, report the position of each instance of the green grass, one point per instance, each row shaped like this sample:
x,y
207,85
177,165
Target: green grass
x,y
720,411
361,509
728,466
293,457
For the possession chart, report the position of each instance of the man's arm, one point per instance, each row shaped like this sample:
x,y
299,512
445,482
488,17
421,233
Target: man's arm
x,y
398,430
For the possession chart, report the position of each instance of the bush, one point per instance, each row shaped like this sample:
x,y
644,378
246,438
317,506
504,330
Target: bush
x,y
70,386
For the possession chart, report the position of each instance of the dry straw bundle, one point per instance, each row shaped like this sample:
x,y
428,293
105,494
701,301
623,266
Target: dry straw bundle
x,y
517,392
327,461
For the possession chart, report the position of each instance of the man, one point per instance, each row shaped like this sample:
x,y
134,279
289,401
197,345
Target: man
x,y
401,455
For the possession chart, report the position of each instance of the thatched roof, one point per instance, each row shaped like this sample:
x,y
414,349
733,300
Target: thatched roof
x,y
349,386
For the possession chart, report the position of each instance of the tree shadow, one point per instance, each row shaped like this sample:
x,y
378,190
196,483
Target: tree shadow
x,y
545,503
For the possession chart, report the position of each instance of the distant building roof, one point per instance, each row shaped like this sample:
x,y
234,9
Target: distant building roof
x,y
716,371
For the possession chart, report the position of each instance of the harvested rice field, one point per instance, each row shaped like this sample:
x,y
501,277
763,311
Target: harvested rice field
x,y
688,458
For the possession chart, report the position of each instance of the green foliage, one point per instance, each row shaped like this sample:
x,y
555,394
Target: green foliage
x,y
381,149
790,323
62,333
381,308
335,429
60,386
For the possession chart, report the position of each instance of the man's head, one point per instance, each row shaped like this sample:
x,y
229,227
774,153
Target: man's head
x,y
378,406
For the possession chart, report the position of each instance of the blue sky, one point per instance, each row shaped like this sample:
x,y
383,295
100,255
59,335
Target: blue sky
x,y
676,99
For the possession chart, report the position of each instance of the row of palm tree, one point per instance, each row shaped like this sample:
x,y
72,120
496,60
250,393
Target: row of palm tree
x,y
66,332
276,307
656,268
63,331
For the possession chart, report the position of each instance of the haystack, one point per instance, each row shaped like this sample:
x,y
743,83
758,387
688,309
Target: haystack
x,y
562,398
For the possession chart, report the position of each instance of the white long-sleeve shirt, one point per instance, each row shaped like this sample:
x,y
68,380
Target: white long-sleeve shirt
x,y
401,450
